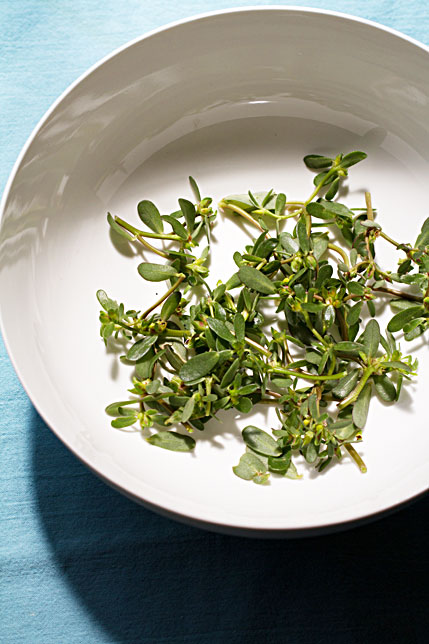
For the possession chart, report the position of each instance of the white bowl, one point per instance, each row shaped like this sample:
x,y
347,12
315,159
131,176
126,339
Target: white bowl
x,y
236,99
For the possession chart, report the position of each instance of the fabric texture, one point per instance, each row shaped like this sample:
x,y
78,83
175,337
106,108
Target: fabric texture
x,y
79,562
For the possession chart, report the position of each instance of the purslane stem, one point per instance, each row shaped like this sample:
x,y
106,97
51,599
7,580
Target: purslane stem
x,y
308,376
340,251
356,457
164,297
401,294
143,233
353,395
257,346
369,210
239,211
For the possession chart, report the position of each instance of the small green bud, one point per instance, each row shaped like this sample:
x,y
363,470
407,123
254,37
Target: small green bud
x,y
311,262
296,264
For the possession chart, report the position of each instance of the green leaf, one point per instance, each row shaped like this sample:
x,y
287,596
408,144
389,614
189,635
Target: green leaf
x,y
113,408
199,366
396,364
282,383
301,231
141,347
333,189
220,328
329,316
106,302
188,209
173,441
361,406
385,388
403,317
371,338
239,327
355,288
292,472
123,421
233,282
371,307
144,366
336,209
156,272
118,229
316,209
170,305
410,326
370,223
354,348
249,467
264,249
354,313
280,203
268,200
107,330
195,188
149,214
310,453
423,238
317,161
261,479
242,201
280,465
178,228
343,429
320,246
289,243
188,410
254,279
352,158
230,373
413,333
244,405
325,273
248,389
313,307
260,441
346,384
323,178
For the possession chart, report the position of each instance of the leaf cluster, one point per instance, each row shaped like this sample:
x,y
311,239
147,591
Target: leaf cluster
x,y
319,366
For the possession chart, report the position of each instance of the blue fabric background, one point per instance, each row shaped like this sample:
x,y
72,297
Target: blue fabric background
x,y
80,563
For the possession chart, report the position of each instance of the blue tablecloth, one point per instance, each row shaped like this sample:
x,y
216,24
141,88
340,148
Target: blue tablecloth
x,y
80,563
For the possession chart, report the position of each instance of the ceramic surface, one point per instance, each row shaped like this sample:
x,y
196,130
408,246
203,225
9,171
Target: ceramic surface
x,y
236,99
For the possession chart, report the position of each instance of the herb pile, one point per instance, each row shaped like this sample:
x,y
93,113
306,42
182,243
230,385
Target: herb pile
x,y
319,366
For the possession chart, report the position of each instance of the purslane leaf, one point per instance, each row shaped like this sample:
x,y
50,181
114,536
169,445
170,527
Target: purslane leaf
x,y
141,347
260,441
172,441
149,214
170,305
371,338
199,366
156,272
403,317
361,406
220,328
254,279
250,467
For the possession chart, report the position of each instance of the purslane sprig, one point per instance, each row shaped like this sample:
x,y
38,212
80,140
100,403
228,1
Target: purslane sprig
x,y
319,367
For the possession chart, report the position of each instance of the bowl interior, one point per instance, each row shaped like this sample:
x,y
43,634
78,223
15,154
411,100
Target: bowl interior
x,y
235,99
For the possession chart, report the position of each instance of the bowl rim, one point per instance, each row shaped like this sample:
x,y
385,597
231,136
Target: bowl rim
x,y
193,519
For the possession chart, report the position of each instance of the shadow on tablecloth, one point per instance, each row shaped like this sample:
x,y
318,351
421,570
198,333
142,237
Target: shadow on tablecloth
x,y
147,579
